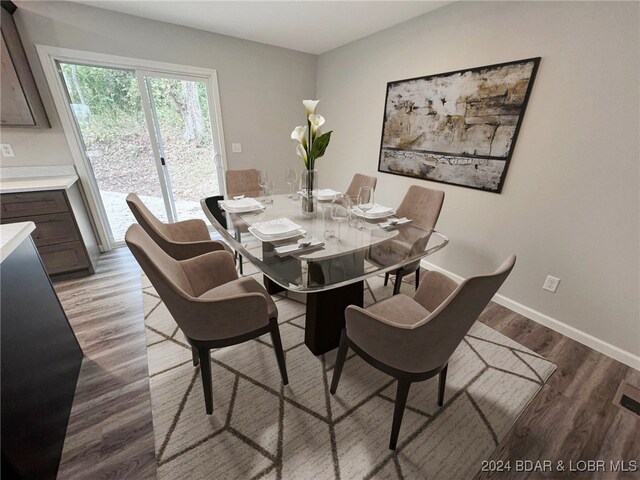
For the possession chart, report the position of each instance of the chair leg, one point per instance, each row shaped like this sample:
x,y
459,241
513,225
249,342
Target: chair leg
x,y
441,384
340,359
240,263
396,286
277,346
205,371
194,355
386,278
417,278
401,400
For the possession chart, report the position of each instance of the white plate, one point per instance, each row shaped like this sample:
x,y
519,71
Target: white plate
x,y
274,238
278,226
378,211
241,205
326,194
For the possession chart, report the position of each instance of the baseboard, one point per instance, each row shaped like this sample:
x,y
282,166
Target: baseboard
x,y
590,341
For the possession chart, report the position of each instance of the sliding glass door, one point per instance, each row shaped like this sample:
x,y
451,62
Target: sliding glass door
x,y
144,132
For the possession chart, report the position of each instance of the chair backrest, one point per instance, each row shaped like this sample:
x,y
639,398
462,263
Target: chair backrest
x,y
147,220
164,273
243,182
422,205
359,180
438,335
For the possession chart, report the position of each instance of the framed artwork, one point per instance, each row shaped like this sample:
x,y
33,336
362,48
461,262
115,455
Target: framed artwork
x,y
457,127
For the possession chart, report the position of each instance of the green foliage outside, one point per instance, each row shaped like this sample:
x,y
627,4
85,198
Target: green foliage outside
x,y
108,109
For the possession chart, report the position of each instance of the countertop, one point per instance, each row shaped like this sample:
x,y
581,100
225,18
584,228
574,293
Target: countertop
x,y
37,184
12,235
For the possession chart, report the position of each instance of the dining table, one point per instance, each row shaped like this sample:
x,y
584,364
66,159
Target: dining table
x,y
330,271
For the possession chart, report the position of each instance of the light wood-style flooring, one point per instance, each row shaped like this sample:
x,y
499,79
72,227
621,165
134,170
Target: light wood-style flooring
x,y
110,433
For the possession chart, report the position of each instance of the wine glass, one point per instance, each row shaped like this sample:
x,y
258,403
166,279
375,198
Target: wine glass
x,y
291,177
340,212
263,179
365,201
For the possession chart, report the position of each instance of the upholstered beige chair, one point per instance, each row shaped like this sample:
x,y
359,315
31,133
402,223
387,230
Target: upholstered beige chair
x,y
359,180
211,305
181,240
411,339
422,205
243,182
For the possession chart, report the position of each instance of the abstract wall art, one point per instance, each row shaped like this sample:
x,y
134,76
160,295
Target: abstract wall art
x,y
457,127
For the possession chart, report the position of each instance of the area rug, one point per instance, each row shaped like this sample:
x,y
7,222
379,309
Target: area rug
x,y
261,429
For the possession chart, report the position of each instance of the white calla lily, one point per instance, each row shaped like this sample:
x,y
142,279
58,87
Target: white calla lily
x,y
302,152
316,122
310,105
298,134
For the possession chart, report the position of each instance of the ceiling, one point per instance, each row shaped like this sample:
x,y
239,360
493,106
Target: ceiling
x,y
307,26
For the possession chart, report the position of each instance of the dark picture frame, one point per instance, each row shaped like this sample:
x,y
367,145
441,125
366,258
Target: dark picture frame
x,y
458,127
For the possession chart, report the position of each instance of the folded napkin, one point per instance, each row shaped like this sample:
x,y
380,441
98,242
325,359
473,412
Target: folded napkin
x,y
295,247
401,221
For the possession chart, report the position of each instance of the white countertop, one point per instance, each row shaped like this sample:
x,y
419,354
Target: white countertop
x,y
12,235
37,184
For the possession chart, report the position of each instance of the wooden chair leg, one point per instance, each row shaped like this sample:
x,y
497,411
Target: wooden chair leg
x,y
205,371
401,400
396,286
194,355
277,346
340,359
441,384
386,278
417,278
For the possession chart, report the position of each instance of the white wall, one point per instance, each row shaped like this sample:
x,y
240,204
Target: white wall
x,y
261,87
570,204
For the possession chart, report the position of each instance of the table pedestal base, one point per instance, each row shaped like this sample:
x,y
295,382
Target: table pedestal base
x,y
325,315
271,286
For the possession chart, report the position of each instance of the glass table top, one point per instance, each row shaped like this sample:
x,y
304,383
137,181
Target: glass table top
x,y
353,251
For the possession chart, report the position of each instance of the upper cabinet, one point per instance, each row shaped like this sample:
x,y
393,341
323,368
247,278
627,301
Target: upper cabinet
x,y
20,100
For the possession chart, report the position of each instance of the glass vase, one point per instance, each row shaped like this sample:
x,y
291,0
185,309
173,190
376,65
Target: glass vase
x,y
309,185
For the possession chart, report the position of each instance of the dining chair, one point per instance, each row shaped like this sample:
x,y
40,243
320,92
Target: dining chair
x,y
421,205
181,240
243,182
359,180
412,339
211,305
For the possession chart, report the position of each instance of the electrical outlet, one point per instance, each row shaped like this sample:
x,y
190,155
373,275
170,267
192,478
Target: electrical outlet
x,y
551,284
236,147
6,149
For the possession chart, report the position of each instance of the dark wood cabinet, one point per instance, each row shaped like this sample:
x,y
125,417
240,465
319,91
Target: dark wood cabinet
x,y
57,234
23,204
21,103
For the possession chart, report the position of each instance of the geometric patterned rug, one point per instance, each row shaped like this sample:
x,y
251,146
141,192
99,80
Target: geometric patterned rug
x,y
262,429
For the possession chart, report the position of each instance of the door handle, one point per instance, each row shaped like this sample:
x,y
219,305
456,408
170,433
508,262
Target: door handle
x,y
162,161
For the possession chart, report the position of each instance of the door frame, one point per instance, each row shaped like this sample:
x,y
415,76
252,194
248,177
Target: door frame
x,y
50,55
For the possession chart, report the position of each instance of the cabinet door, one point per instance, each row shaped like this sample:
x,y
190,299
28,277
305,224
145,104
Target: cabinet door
x,y
64,258
32,203
21,103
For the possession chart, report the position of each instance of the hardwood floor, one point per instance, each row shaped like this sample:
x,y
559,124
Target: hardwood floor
x,y
572,418
110,433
